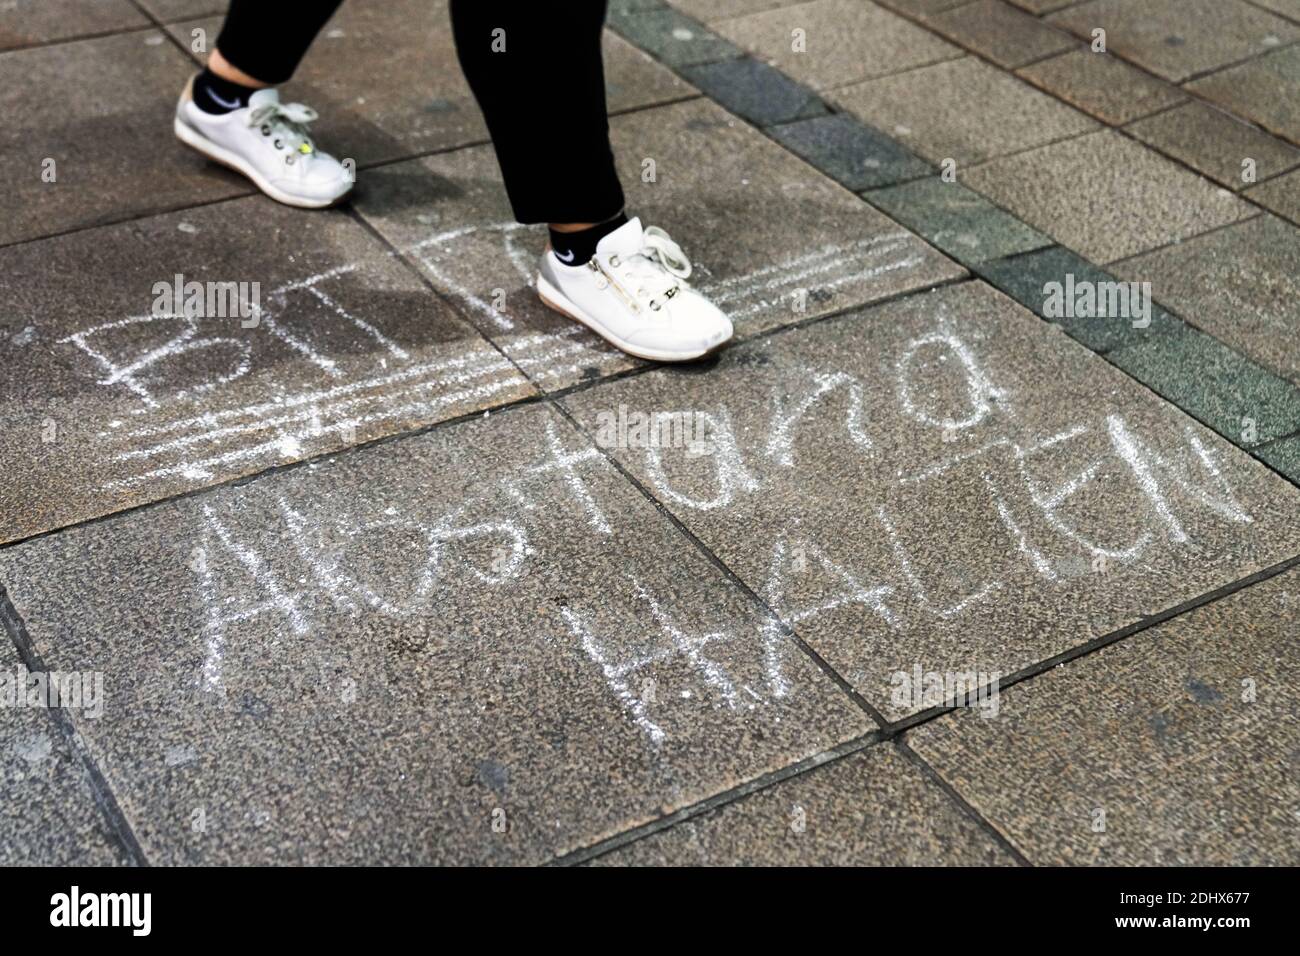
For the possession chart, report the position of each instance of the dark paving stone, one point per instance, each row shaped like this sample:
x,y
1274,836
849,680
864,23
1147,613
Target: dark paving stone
x,y
1039,7
168,11
844,41
1178,39
384,76
1001,33
707,11
1283,455
1026,279
1102,85
1106,196
1266,91
31,22
851,152
772,241
48,816
1240,284
672,37
756,91
874,808
1281,195
920,7
110,141
964,110
377,658
111,399
1176,746
1216,144
1237,398
947,482
960,222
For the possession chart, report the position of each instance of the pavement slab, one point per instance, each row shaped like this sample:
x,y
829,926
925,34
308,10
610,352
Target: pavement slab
x,y
1281,195
49,815
480,644
1106,196
707,11
1102,85
842,41
1171,747
1039,7
947,482
671,36
1216,144
169,11
850,152
32,22
964,110
773,241
1180,39
1283,455
753,90
114,396
1266,91
85,164
1001,33
1241,284
874,808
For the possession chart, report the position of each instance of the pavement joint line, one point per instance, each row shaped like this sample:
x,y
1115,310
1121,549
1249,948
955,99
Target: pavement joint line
x,y
101,791
1223,227
64,41
1284,16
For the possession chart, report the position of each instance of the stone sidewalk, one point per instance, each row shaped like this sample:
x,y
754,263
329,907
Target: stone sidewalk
x,y
397,576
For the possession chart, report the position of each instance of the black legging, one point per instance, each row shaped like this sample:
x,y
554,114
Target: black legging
x,y
543,94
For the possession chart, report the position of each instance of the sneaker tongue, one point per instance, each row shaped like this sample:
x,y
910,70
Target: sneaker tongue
x,y
264,98
624,241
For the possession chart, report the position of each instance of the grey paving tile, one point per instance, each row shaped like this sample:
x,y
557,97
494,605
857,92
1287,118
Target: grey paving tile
x,y
1173,747
119,399
1034,279
478,644
958,221
766,234
1005,35
947,482
1240,284
1102,85
1283,455
1287,8
920,7
672,37
31,22
1106,196
1216,144
1236,397
1265,91
709,10
169,11
963,109
1039,7
850,152
49,816
1178,39
1281,195
756,91
874,808
110,144
384,77
843,41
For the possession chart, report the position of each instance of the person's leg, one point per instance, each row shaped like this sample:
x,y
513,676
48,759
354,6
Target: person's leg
x,y
261,44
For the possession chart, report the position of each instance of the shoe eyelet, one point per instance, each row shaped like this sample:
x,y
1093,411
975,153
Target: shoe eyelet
x,y
613,261
654,306
266,131
288,160
279,144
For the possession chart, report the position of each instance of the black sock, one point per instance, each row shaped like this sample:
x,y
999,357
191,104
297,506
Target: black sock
x,y
213,94
577,248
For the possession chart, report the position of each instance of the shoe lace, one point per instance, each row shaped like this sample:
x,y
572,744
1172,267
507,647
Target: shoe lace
x,y
656,270
287,122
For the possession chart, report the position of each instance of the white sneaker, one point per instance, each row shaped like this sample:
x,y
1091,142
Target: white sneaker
x,y
634,295
267,141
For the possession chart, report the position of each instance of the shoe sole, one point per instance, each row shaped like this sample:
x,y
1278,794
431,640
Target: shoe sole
x,y
554,299
218,154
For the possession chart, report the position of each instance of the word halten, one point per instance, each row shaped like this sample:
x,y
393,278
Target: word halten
x,y
74,690
208,300
917,690
103,909
1085,299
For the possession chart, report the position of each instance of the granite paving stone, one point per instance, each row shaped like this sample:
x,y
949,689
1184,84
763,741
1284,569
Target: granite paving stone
x,y
945,482
106,139
755,91
169,11
31,22
874,808
843,41
1034,279
850,152
707,11
771,240
1102,85
1287,8
1216,144
1241,284
1039,7
958,221
672,37
1180,39
115,394
1284,455
919,8
1238,398
1106,196
49,816
1173,747
480,644
964,110
1281,195
1266,91
1001,33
